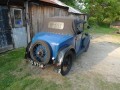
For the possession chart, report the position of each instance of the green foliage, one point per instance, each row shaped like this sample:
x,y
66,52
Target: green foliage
x,y
92,20
69,2
102,11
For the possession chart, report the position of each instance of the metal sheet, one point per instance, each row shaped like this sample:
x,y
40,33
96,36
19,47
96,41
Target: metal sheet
x,y
19,37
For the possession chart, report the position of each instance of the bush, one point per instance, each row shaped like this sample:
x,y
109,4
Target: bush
x,y
92,20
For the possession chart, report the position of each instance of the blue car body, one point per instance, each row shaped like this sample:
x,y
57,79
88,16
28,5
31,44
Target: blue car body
x,y
56,41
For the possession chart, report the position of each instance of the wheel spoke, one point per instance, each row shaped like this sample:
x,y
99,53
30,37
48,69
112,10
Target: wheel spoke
x,y
39,52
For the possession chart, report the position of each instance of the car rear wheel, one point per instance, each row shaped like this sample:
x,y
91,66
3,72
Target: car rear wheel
x,y
67,63
40,52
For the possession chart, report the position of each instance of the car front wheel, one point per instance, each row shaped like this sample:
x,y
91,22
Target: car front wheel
x,y
67,63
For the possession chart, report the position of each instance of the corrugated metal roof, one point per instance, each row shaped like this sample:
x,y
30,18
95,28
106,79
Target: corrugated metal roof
x,y
49,1
73,10
57,2
70,10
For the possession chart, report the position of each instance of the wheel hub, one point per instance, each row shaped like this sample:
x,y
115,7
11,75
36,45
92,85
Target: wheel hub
x,y
40,53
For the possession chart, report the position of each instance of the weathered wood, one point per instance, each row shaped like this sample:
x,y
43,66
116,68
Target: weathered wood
x,y
5,29
39,13
27,20
9,47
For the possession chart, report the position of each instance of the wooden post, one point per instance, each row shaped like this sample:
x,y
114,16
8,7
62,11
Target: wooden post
x,y
27,21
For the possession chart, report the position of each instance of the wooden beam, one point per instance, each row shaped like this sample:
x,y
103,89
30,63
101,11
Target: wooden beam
x,y
27,21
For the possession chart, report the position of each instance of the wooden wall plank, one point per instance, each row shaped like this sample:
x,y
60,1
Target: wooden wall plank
x,y
40,12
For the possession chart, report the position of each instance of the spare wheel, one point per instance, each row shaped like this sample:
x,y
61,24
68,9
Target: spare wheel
x,y
40,52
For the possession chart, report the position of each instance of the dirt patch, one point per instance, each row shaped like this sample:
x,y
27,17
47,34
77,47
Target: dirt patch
x,y
106,38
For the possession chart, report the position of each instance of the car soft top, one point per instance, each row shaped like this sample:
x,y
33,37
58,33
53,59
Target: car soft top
x,y
61,25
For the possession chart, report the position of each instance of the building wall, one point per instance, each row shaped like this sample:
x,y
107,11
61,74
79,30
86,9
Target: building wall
x,y
11,36
115,24
39,12
5,30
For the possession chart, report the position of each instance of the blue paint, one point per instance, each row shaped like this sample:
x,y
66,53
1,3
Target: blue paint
x,y
56,41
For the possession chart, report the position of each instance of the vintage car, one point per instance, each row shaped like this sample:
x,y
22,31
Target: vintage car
x,y
59,42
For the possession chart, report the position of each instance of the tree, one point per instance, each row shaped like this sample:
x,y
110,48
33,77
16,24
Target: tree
x,y
102,11
69,2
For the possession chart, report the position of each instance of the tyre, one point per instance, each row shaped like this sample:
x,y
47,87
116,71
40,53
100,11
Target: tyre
x,y
67,63
40,52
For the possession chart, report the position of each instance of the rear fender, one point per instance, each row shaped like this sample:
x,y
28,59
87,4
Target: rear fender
x,y
61,55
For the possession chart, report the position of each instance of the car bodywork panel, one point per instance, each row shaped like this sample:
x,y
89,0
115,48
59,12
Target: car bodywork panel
x,y
56,41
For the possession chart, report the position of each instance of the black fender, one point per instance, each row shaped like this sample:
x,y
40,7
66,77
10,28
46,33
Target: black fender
x,y
61,54
60,57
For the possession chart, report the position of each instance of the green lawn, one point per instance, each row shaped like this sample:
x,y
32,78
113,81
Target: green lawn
x,y
102,30
15,77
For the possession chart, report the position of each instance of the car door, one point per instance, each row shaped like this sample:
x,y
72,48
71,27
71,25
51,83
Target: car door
x,y
78,38
78,42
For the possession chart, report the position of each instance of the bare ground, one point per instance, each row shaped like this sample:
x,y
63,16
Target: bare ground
x,y
99,65
103,57
93,70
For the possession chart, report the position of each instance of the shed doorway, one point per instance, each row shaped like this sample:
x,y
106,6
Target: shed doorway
x,y
18,29
5,30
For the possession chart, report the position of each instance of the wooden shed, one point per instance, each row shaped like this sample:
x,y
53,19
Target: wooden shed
x,y
40,9
20,20
116,24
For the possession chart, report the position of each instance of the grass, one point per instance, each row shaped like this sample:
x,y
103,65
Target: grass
x,y
102,30
98,30
13,76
